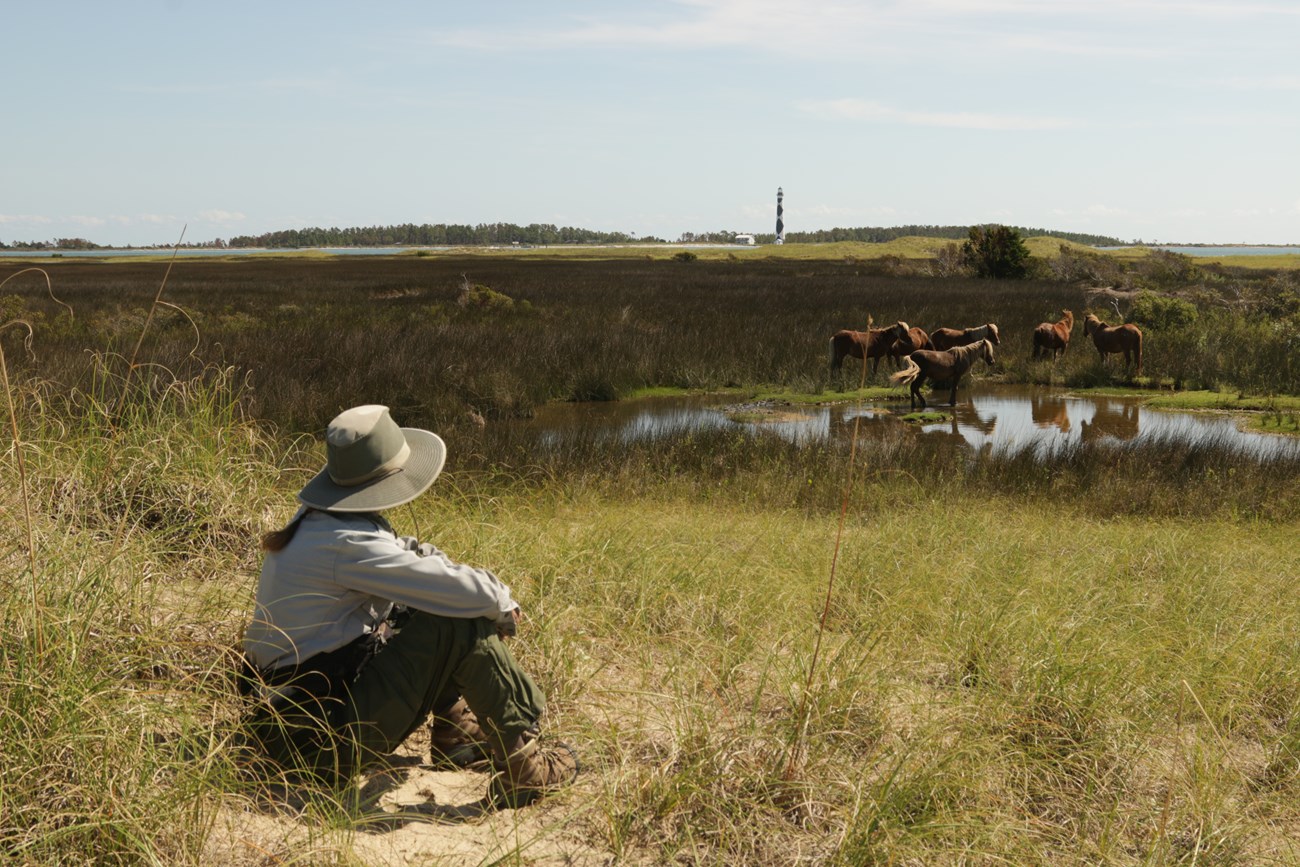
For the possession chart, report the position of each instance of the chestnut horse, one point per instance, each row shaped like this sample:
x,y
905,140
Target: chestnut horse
x,y
872,343
948,365
1126,338
947,338
1053,338
914,339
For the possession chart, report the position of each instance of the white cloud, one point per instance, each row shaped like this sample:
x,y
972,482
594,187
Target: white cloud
x,y
24,218
79,220
867,110
820,27
220,216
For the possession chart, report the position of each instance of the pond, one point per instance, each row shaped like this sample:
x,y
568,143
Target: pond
x,y
998,419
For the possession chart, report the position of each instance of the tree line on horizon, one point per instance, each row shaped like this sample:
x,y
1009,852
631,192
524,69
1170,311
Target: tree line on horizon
x,y
542,234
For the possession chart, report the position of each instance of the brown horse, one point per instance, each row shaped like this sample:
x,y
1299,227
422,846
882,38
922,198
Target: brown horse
x,y
872,343
914,339
1126,338
1053,338
949,366
947,338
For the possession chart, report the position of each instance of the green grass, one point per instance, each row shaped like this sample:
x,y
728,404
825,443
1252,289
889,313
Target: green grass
x,y
1279,262
1276,422
1198,399
926,417
1224,400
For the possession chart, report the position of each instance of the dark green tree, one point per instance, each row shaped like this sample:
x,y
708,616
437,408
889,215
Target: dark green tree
x,y
996,251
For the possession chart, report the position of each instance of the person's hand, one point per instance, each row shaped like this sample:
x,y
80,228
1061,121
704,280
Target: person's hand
x,y
505,630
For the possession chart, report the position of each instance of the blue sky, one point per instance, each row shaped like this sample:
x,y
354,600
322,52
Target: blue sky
x,y
1173,121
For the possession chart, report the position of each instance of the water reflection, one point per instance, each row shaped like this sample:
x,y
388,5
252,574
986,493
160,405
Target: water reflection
x,y
998,420
1045,421
1117,419
1049,410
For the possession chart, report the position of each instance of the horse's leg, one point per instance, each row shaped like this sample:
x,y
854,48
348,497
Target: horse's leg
x,y
916,391
952,395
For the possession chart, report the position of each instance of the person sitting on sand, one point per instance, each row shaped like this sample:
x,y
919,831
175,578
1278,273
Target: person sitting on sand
x,y
359,634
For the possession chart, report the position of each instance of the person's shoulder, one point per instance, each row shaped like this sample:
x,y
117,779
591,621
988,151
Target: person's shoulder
x,y
356,527
345,523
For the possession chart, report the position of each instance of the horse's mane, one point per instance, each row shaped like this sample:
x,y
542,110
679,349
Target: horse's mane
x,y
960,352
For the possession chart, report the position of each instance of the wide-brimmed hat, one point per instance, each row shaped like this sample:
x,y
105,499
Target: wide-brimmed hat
x,y
372,464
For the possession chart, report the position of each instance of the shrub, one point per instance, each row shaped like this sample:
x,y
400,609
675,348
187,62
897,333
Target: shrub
x,y
1162,312
1163,269
996,251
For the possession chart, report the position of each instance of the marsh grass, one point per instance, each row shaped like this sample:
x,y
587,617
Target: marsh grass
x,y
994,686
1089,661
306,330
1277,422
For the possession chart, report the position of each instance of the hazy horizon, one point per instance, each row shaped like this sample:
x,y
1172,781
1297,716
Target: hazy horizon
x,y
1163,121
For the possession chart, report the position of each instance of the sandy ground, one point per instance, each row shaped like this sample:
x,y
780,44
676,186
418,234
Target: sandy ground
x,y
409,813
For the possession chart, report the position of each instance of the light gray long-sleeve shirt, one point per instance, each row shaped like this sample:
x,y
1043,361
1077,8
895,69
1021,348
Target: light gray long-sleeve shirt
x,y
339,578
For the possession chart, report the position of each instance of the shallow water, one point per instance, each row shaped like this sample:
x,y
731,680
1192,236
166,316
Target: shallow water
x,y
999,419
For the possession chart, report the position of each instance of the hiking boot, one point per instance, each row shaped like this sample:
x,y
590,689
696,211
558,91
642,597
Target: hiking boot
x,y
530,771
455,738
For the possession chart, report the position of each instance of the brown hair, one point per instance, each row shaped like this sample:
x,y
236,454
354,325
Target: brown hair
x,y
276,540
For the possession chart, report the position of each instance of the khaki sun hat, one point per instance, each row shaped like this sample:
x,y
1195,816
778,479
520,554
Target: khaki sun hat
x,y
372,464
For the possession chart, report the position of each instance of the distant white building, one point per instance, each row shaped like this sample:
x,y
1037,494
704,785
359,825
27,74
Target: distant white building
x,y
747,240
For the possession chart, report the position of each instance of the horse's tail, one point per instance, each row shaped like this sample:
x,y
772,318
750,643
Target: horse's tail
x,y
907,374
1139,353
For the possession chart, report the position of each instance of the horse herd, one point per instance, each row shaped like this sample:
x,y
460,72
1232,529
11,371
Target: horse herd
x,y
944,355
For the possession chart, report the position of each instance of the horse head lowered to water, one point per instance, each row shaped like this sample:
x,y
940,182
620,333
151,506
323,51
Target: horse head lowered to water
x,y
948,365
872,343
914,339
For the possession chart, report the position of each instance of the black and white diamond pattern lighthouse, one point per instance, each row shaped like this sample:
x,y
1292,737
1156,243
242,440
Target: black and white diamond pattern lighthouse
x,y
780,224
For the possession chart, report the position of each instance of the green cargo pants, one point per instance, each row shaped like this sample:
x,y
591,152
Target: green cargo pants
x,y
324,729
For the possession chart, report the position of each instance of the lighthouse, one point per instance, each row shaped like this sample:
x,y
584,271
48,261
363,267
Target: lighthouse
x,y
780,225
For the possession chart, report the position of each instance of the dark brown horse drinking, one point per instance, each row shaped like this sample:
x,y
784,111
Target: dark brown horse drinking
x,y
914,339
1126,338
947,338
948,366
872,343
1052,339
